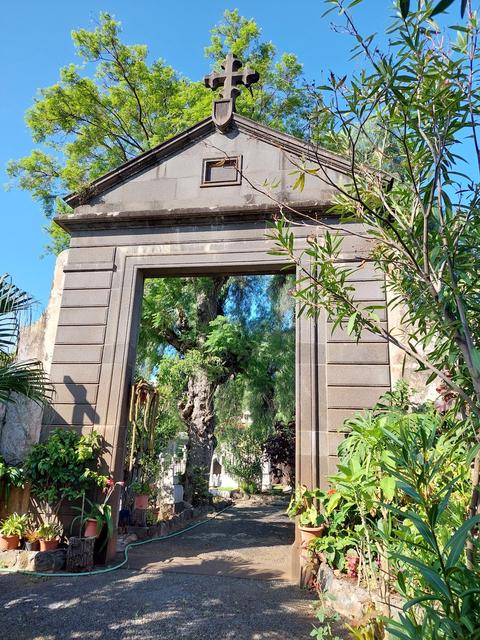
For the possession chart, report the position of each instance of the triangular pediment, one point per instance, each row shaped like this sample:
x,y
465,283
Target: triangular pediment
x,y
170,180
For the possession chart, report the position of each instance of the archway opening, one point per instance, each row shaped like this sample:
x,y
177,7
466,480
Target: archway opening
x,y
213,399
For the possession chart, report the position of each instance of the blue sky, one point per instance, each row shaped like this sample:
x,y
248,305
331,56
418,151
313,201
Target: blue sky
x,y
35,42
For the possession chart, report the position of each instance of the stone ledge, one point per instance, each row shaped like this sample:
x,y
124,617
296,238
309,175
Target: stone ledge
x,y
348,599
42,561
168,526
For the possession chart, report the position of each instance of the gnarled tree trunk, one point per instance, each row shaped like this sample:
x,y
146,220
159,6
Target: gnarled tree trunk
x,y
199,417
198,409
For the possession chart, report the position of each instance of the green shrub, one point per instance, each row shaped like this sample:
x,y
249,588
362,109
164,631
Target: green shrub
x,y
397,514
249,488
141,488
64,467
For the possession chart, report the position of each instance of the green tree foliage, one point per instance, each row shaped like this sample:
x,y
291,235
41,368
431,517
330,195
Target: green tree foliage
x,y
227,340
25,378
401,121
65,466
437,8
85,125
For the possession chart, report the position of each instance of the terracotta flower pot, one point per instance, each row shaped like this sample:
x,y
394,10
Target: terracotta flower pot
x,y
141,501
9,542
310,533
92,530
48,545
32,546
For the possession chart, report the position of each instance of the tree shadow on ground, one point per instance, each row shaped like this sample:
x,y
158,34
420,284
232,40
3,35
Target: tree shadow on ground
x,y
260,539
218,595
128,605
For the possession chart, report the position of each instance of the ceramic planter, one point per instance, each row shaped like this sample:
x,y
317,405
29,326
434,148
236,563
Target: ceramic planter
x,y
92,530
310,533
48,545
9,542
141,501
32,546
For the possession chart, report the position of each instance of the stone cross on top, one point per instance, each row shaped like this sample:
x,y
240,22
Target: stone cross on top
x,y
232,75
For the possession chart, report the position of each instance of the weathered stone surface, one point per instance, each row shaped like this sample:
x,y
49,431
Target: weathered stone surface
x,y
20,428
21,420
325,577
344,596
8,559
50,560
18,559
349,600
26,560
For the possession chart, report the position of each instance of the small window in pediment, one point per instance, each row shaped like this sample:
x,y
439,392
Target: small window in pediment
x,y
219,172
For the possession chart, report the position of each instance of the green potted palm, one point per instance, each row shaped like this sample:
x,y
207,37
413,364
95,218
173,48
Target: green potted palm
x,y
11,530
306,505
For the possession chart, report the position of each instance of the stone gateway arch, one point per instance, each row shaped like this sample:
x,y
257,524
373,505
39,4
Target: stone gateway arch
x,y
193,206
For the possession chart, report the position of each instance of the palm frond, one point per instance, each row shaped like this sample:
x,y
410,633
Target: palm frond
x,y
13,301
26,378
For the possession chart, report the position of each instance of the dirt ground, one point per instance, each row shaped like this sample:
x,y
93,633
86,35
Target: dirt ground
x,y
228,579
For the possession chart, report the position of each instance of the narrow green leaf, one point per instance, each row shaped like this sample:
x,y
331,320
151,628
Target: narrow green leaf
x,y
404,8
432,578
441,6
476,359
418,600
351,323
456,544
472,453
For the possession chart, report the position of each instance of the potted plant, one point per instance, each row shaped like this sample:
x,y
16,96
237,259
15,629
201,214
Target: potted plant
x,y
141,491
64,468
97,515
11,530
94,518
306,504
49,536
32,540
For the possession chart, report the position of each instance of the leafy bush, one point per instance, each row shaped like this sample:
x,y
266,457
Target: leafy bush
x,y
397,516
141,488
65,466
307,506
50,531
279,449
246,446
249,487
442,593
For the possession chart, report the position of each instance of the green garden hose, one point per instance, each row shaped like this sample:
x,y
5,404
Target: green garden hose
x,y
64,574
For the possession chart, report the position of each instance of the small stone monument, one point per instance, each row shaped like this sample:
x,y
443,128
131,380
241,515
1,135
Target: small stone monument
x,y
172,465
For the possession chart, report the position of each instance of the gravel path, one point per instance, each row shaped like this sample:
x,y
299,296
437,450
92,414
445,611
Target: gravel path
x,y
226,580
